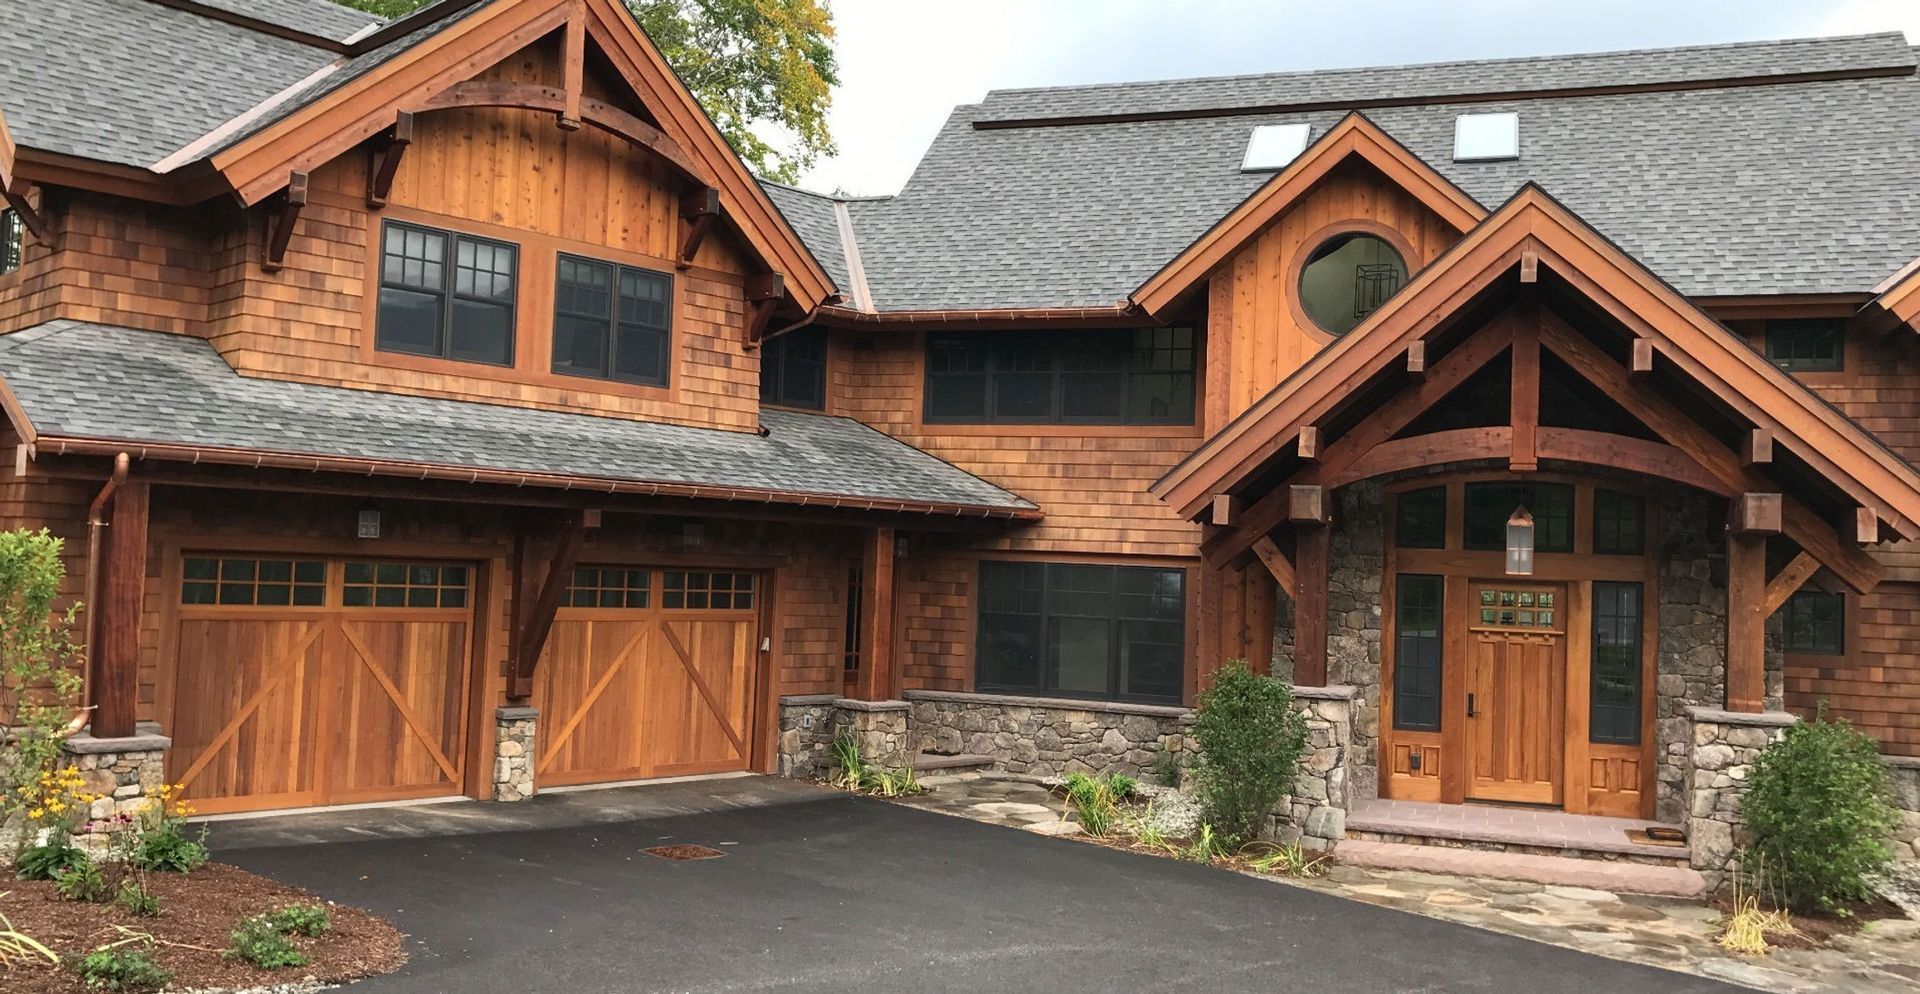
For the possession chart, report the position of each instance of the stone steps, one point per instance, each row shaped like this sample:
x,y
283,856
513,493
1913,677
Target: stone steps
x,y
937,764
1519,832
1614,876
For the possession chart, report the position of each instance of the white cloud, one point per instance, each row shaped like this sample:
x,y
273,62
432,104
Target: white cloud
x,y
905,65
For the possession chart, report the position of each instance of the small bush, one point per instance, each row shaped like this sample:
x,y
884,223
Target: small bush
x,y
1124,787
260,942
1820,814
82,882
118,968
1251,740
1093,802
44,862
137,899
870,778
301,919
165,848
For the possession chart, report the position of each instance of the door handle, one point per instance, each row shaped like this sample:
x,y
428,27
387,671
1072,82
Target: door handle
x,y
1471,713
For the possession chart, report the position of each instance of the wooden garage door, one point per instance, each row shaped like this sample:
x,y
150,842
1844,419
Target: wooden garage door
x,y
648,673
306,681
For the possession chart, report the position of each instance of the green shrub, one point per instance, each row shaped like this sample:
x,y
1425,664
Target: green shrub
x,y
1124,787
1093,802
1251,740
260,942
301,919
82,882
44,862
39,686
1165,768
118,968
137,899
165,848
1820,814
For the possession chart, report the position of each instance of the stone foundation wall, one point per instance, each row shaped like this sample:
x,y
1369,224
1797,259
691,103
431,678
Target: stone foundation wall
x,y
1720,758
1047,737
806,735
1315,816
879,728
1691,661
125,773
515,732
1903,775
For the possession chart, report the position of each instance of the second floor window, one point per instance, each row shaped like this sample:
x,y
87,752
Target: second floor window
x,y
12,240
611,321
793,369
1139,376
1807,345
446,294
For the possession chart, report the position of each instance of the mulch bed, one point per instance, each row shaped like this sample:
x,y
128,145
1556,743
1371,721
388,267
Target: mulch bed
x,y
198,913
1818,930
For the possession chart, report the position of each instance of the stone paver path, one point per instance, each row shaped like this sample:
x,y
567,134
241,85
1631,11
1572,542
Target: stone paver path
x,y
1672,933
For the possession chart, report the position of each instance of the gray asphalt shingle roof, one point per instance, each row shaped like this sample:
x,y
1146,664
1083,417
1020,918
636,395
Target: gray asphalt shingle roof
x,y
323,18
1802,187
813,218
79,380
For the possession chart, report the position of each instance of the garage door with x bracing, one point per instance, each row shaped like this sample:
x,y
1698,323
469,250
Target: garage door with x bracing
x,y
647,673
305,681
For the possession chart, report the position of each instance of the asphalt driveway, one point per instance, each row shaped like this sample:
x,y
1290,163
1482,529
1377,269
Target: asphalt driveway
x,y
821,891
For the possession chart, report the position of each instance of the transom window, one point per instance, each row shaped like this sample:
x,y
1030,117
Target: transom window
x,y
1074,630
611,321
12,240
446,294
404,584
1420,519
1619,523
248,581
706,591
793,369
1348,277
1816,623
1489,505
1807,345
608,586
1141,376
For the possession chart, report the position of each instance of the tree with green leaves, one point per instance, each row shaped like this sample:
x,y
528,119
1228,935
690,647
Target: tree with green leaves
x,y
763,69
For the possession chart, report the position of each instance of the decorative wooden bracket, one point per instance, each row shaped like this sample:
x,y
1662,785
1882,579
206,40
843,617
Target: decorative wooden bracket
x,y
384,159
1759,448
1789,580
1307,504
764,293
1417,358
1277,563
535,622
1308,446
281,219
31,218
1226,507
698,208
1866,526
1642,357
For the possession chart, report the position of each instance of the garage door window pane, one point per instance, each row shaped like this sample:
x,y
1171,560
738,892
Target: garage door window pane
x,y
707,591
243,581
421,585
600,586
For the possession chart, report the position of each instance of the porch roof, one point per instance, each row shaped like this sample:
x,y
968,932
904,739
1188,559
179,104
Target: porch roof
x,y
78,387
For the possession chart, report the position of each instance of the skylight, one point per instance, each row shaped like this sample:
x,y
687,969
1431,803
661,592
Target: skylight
x,y
1273,146
1486,137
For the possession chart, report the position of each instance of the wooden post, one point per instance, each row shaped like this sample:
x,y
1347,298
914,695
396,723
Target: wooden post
x,y
1310,604
116,658
877,677
1746,621
1524,399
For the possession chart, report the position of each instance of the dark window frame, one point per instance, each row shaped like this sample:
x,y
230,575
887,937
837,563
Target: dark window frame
x,y
1806,602
13,241
448,294
1046,683
1615,513
1605,710
1001,360
1801,345
1543,521
1413,709
610,348
1405,501
777,360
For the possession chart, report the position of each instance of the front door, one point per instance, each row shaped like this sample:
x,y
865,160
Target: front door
x,y
1516,691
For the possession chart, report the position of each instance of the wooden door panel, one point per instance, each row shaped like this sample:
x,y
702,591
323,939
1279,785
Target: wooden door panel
x,y
399,716
243,731
697,704
590,689
1516,672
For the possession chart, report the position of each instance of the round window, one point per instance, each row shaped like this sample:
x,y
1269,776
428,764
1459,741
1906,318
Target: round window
x,y
1347,278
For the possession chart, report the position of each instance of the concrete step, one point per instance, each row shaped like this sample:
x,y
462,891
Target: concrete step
x,y
935,763
1616,876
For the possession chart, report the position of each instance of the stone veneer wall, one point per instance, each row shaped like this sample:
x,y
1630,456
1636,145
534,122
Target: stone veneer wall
x,y
1048,737
515,732
1720,757
1316,812
879,728
806,735
1903,775
124,772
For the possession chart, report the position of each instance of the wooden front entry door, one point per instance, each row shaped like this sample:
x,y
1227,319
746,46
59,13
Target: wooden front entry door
x,y
1516,687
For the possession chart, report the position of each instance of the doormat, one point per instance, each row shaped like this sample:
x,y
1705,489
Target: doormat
x,y
683,852
1657,836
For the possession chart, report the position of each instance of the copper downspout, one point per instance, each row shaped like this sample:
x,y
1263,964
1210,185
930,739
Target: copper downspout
x,y
94,525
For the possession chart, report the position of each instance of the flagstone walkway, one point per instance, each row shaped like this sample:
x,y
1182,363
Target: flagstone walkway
x,y
1673,933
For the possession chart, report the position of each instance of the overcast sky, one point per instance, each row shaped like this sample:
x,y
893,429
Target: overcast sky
x,y
904,64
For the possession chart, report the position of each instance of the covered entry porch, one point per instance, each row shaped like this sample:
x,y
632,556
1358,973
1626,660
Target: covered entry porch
x,y
1538,510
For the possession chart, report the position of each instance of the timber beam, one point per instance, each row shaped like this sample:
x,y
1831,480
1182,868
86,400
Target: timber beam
x,y
699,208
876,678
1746,621
1789,580
35,222
1276,563
383,160
765,291
1312,549
533,622
115,676
281,221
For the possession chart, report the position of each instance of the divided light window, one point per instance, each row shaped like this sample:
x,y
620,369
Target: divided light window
x,y
1073,630
1420,519
1417,602
1614,709
611,321
446,294
1489,505
1139,376
793,369
1816,623
1619,523
1807,345
12,240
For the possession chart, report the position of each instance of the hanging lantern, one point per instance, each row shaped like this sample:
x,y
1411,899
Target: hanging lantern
x,y
1520,542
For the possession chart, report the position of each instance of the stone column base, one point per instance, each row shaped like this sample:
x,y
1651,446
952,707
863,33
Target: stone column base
x,y
806,735
879,728
515,732
126,773
1720,757
1315,816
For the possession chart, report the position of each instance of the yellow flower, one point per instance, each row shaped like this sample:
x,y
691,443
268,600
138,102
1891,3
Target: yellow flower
x,y
35,813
